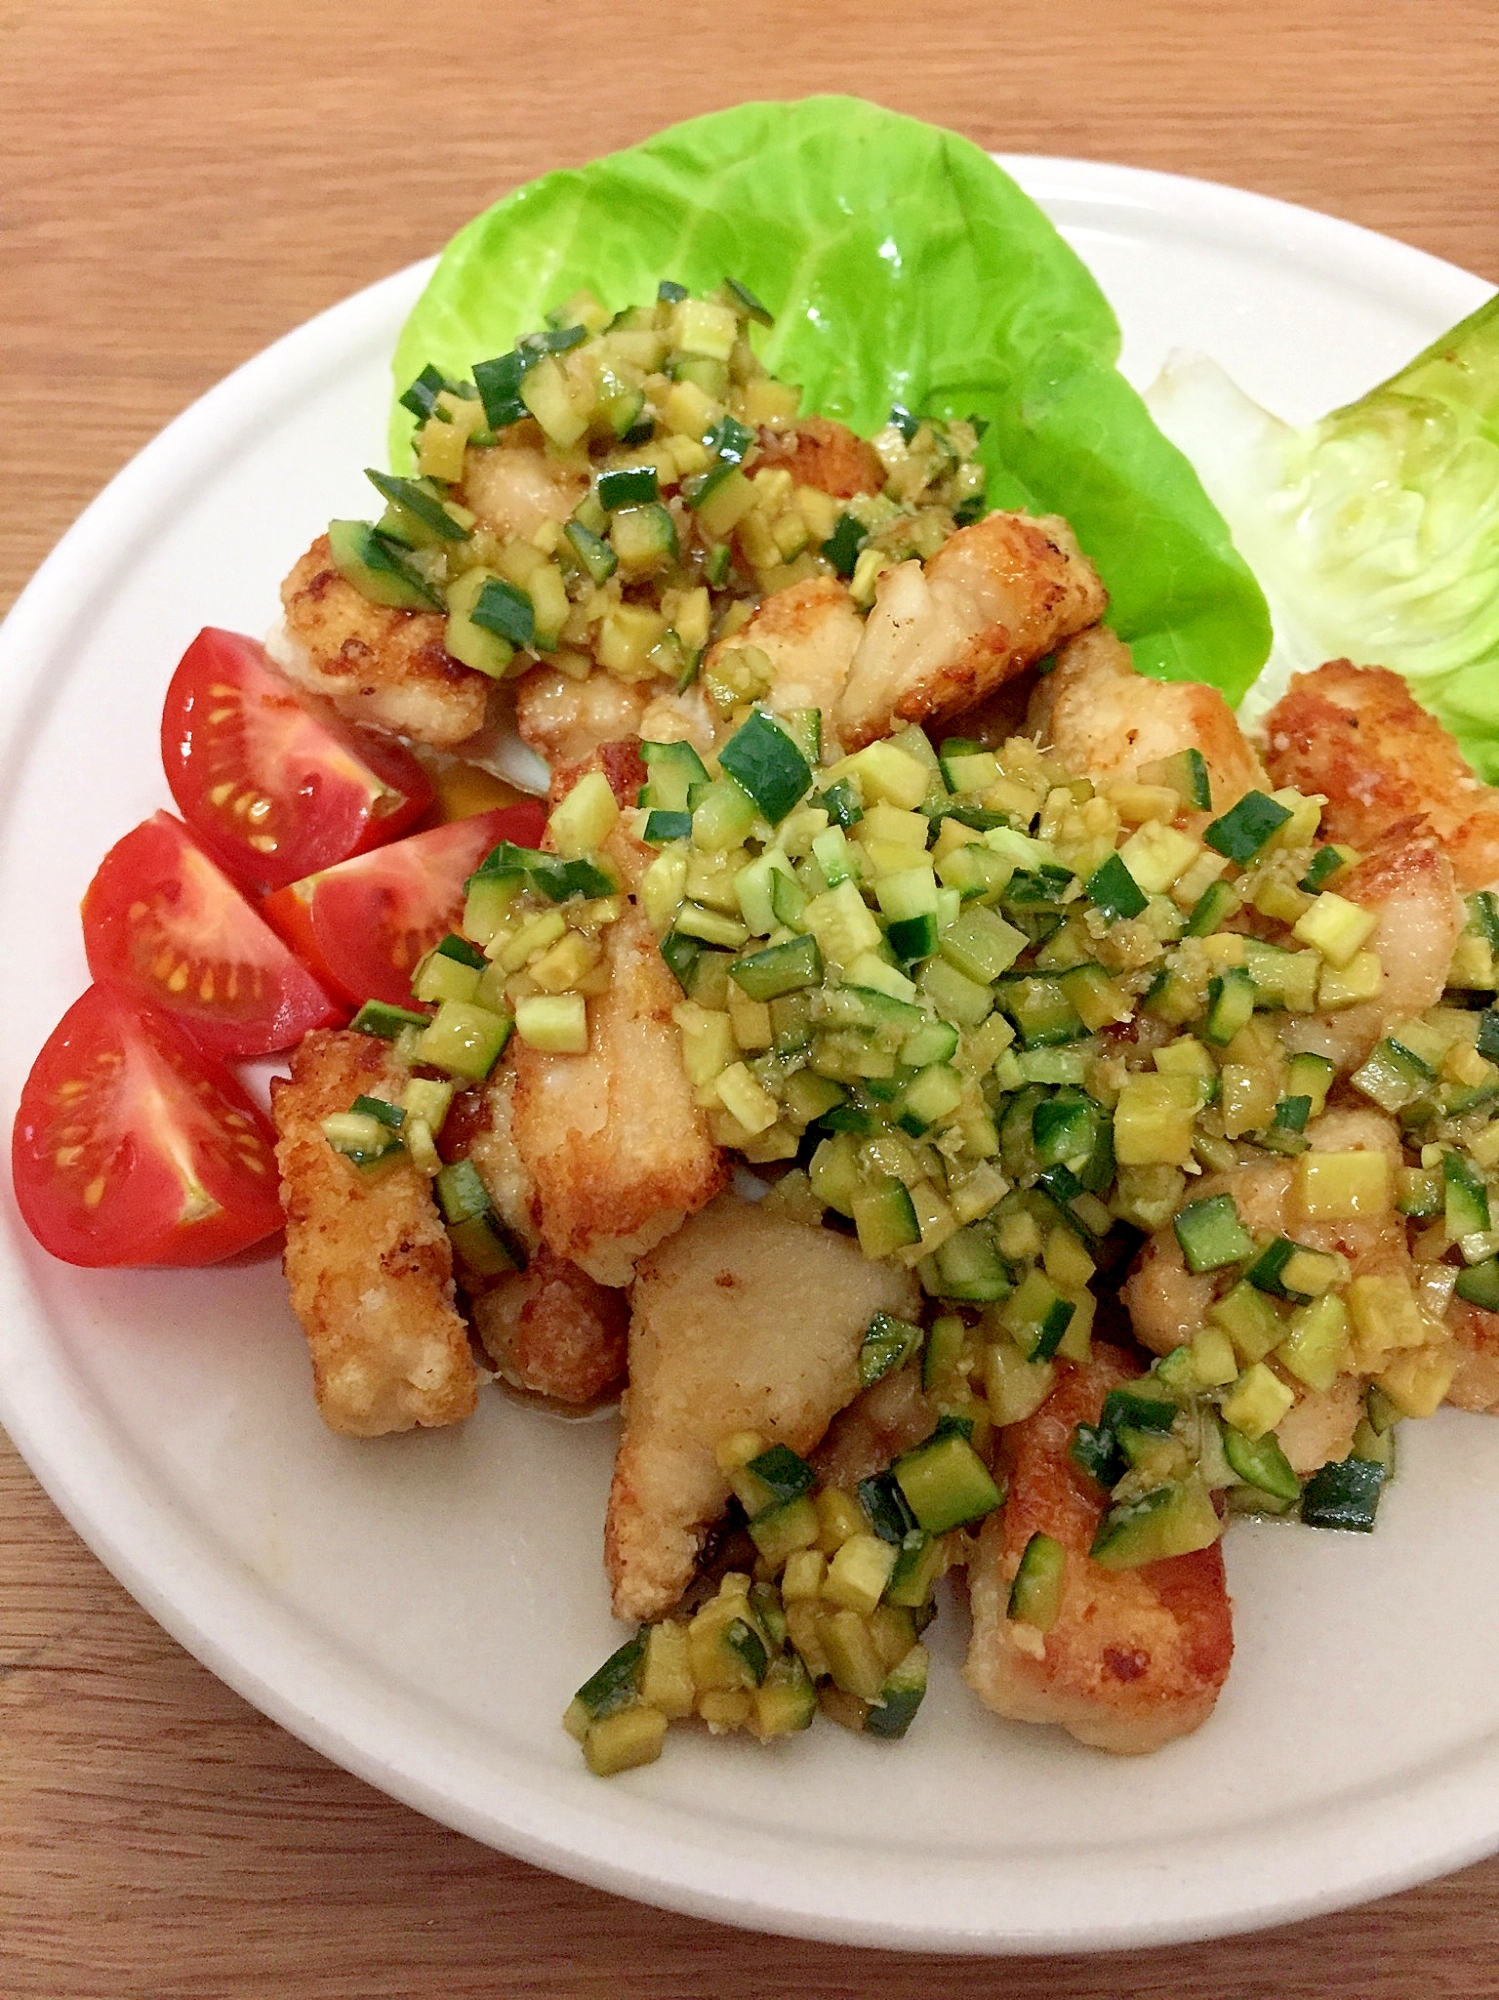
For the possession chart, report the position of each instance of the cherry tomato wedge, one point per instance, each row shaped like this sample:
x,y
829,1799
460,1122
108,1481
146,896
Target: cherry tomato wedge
x,y
163,922
271,785
131,1147
363,925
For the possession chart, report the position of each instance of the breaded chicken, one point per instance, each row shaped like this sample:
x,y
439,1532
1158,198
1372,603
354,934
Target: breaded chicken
x,y
367,1257
563,719
614,1139
1475,1347
809,632
683,715
819,452
622,764
742,1321
378,666
551,1330
1136,1657
1100,716
492,1148
1168,1304
891,1417
1358,735
1409,881
516,487
994,599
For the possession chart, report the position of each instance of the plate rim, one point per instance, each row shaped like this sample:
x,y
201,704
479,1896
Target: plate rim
x,y
207,1625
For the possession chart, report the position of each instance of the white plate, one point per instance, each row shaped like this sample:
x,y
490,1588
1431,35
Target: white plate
x,y
421,1608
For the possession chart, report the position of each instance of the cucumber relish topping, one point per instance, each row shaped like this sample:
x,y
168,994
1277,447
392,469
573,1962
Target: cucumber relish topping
x,y
1001,1018
689,513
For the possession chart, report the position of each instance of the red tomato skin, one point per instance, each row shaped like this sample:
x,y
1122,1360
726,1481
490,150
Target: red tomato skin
x,y
148,1094
326,790
363,925
158,906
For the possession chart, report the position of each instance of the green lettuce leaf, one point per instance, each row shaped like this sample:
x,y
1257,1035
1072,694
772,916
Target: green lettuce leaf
x,y
903,266
1376,531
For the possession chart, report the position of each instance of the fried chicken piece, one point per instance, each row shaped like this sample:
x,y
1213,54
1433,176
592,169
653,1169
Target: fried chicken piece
x,y
614,1139
1358,735
1475,1347
564,720
741,1321
1168,1304
1100,716
550,1329
994,599
624,767
515,488
810,633
492,1148
893,1416
386,668
819,452
1136,1657
1409,881
367,1257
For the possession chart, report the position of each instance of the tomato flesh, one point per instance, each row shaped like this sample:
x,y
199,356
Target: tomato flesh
x,y
163,922
363,925
131,1147
273,788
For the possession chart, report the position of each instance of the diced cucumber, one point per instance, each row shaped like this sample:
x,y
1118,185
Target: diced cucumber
x,y
1172,1520
970,1267
917,1567
464,1039
644,539
377,568
888,1343
1211,1234
945,1482
1344,1494
1261,1462
1113,890
982,946
779,969
885,1218
1231,999
1246,827
378,1017
1036,1593
762,758
1186,774
896,1704
1466,1197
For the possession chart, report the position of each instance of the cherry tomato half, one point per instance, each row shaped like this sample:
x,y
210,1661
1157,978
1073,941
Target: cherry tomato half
x,y
363,925
273,787
131,1147
163,922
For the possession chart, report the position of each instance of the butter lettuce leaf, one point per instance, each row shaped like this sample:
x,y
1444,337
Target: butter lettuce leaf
x,y
1374,532
902,266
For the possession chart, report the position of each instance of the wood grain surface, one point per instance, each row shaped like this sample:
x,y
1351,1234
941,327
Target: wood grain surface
x,y
182,181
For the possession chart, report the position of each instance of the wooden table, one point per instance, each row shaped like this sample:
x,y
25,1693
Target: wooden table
x,y
182,181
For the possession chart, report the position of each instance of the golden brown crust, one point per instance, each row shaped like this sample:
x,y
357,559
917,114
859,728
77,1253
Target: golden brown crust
x,y
1358,735
564,720
819,452
1100,716
368,1261
1475,1343
1136,1657
614,1140
551,1330
744,1320
992,601
376,665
